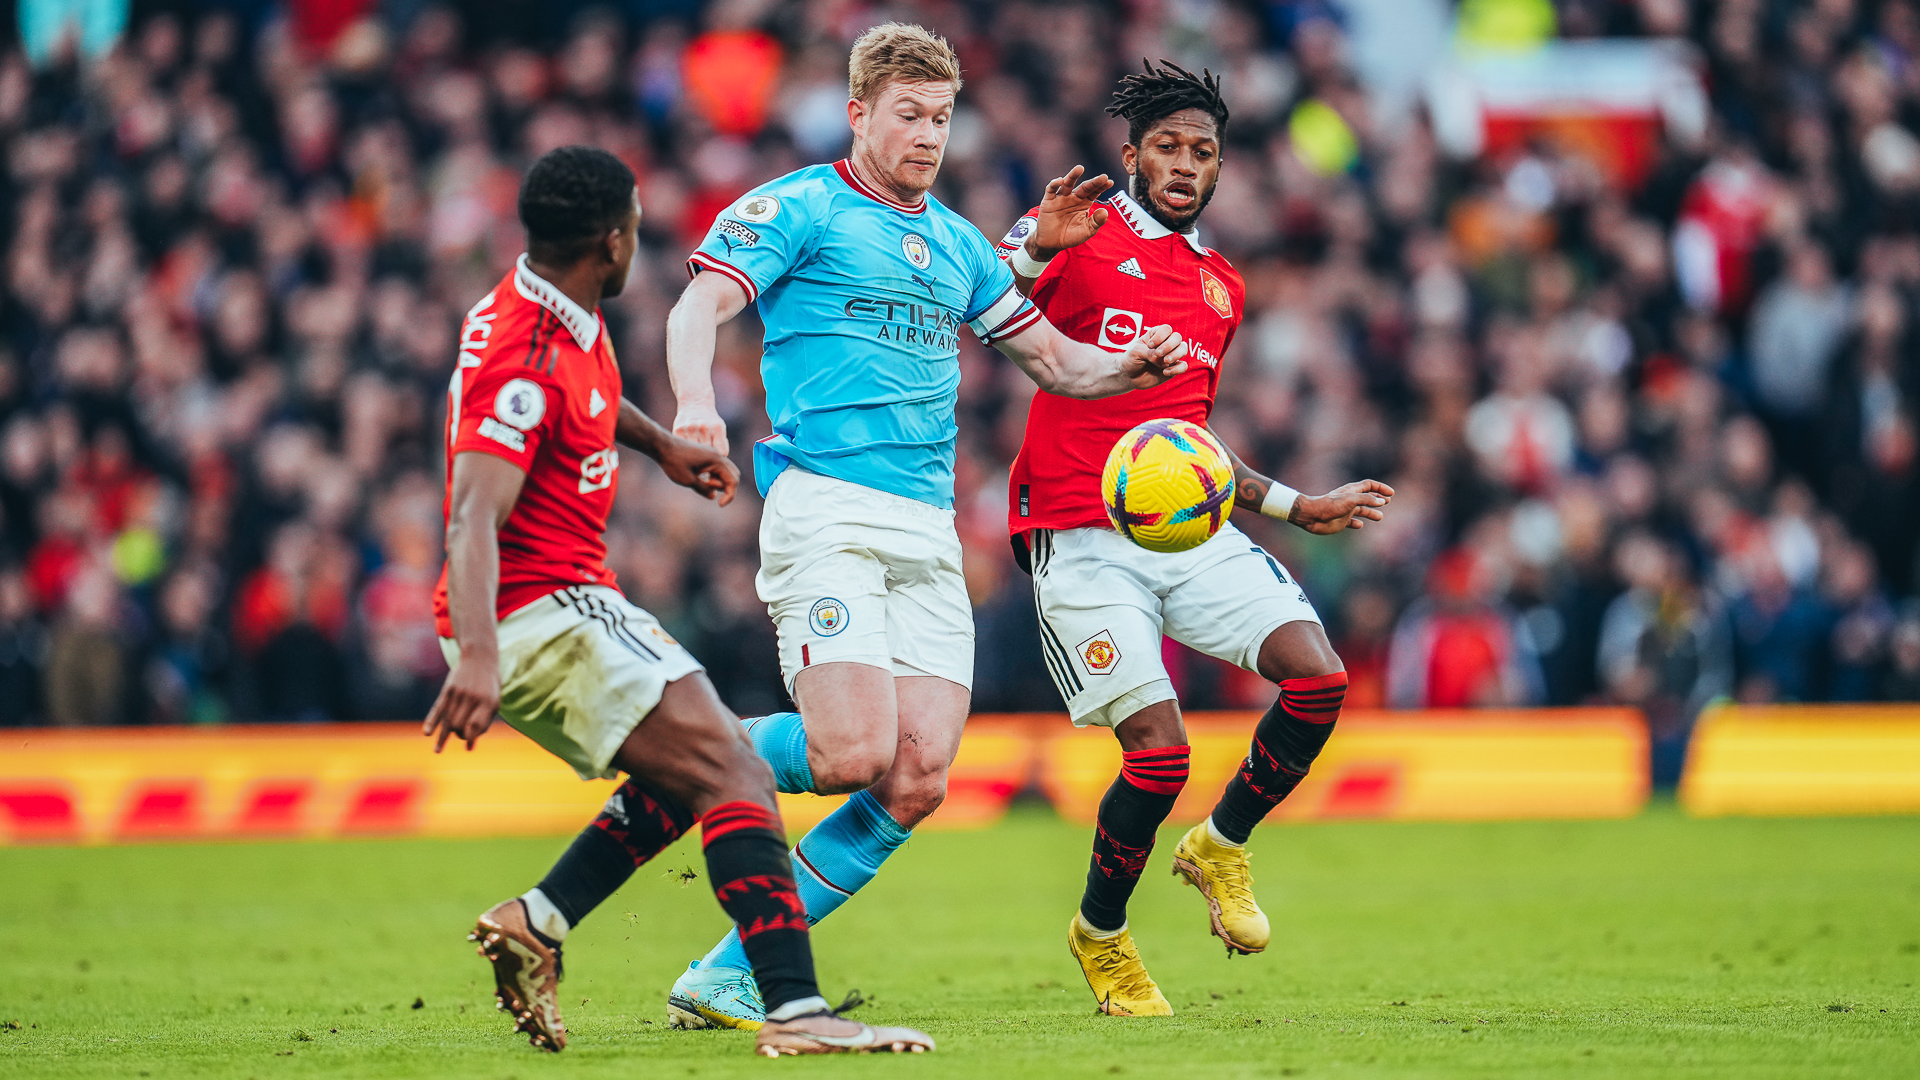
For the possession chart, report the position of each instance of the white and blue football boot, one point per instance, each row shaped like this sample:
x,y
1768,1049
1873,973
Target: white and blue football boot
x,y
715,997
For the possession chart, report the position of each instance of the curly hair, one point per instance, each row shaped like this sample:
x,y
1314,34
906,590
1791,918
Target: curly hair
x,y
1147,97
572,196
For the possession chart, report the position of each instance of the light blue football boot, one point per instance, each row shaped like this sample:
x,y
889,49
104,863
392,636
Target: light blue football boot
x,y
715,997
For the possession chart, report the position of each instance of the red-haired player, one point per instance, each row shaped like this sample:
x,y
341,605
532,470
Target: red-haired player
x,y
1103,602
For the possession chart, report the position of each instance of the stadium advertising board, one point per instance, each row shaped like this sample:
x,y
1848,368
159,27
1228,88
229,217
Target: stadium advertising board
x,y
1804,759
104,786
1435,765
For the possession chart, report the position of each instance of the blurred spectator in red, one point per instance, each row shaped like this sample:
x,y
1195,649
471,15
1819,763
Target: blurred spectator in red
x,y
1364,644
289,616
395,615
729,77
1522,434
1457,649
66,519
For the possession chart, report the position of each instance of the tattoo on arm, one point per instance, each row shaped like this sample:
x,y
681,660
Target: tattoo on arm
x,y
1249,488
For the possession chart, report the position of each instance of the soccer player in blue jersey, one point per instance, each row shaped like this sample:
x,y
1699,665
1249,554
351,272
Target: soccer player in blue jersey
x,y
864,284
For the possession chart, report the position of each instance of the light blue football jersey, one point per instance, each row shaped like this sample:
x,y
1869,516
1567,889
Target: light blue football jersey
x,y
863,300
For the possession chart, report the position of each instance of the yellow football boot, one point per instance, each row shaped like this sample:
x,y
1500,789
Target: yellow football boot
x,y
1221,874
1114,971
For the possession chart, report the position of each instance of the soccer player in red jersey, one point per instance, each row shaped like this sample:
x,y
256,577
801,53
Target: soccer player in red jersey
x,y
1104,603
535,632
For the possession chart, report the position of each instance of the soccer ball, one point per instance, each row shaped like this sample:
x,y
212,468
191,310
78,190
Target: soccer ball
x,y
1168,485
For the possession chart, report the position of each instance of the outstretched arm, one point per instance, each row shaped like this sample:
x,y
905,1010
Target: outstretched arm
x,y
1348,507
1060,365
687,463
1068,217
484,491
709,300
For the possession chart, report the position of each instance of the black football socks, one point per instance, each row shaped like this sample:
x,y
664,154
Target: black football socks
x,y
753,880
1140,799
637,823
1288,738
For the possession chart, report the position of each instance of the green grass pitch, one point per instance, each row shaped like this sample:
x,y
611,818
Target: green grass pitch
x,y
1659,946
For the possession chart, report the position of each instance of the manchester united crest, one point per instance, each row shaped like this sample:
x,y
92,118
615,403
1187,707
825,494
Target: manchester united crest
x,y
1214,292
1099,653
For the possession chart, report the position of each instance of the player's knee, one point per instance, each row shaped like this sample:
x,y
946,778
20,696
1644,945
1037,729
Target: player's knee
x,y
914,802
718,769
1298,650
853,767
751,767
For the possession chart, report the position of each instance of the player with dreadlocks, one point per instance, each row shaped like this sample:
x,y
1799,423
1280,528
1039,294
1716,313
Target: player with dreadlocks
x,y
1104,603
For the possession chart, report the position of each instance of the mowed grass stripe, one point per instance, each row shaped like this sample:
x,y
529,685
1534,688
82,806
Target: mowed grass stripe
x,y
1658,946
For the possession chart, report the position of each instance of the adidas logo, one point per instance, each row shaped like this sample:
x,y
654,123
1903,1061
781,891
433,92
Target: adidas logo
x,y
1131,268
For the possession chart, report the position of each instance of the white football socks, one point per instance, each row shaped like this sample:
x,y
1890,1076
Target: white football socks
x,y
1098,934
798,1007
1219,838
543,916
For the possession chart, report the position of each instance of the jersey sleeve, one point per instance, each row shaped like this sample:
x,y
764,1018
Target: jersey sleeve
x,y
1018,234
995,309
758,239
506,410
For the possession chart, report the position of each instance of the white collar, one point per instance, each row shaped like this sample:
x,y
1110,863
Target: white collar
x,y
1148,227
581,323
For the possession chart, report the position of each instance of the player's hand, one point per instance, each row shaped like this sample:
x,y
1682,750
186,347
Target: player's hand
x,y
701,424
701,468
1349,507
468,702
1158,354
1068,214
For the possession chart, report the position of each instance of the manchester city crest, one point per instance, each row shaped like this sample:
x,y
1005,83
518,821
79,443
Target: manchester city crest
x,y
914,247
829,616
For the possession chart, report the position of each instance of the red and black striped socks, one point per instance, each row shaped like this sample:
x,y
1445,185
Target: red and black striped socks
x,y
1285,743
1140,799
753,880
637,823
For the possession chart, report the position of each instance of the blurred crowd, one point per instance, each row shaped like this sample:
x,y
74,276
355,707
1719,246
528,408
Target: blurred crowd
x,y
1653,431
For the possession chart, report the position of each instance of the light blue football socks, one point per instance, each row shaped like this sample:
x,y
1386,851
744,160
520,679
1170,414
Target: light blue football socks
x,y
831,863
781,739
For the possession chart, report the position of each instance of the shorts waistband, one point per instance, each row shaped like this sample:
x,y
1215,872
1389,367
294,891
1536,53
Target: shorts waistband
x,y
554,600
898,504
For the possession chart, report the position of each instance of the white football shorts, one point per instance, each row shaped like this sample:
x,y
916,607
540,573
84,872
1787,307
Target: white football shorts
x,y
855,575
579,669
1105,602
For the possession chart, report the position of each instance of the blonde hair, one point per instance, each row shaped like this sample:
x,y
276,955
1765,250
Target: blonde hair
x,y
899,51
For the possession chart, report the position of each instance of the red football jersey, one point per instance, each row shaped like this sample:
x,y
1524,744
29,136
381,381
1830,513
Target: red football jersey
x,y
1133,274
537,385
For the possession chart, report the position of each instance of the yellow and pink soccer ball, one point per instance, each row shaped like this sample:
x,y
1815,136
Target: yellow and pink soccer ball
x,y
1168,485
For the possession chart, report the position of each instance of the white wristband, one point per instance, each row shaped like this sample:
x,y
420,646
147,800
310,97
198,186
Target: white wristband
x,y
1279,501
1026,265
